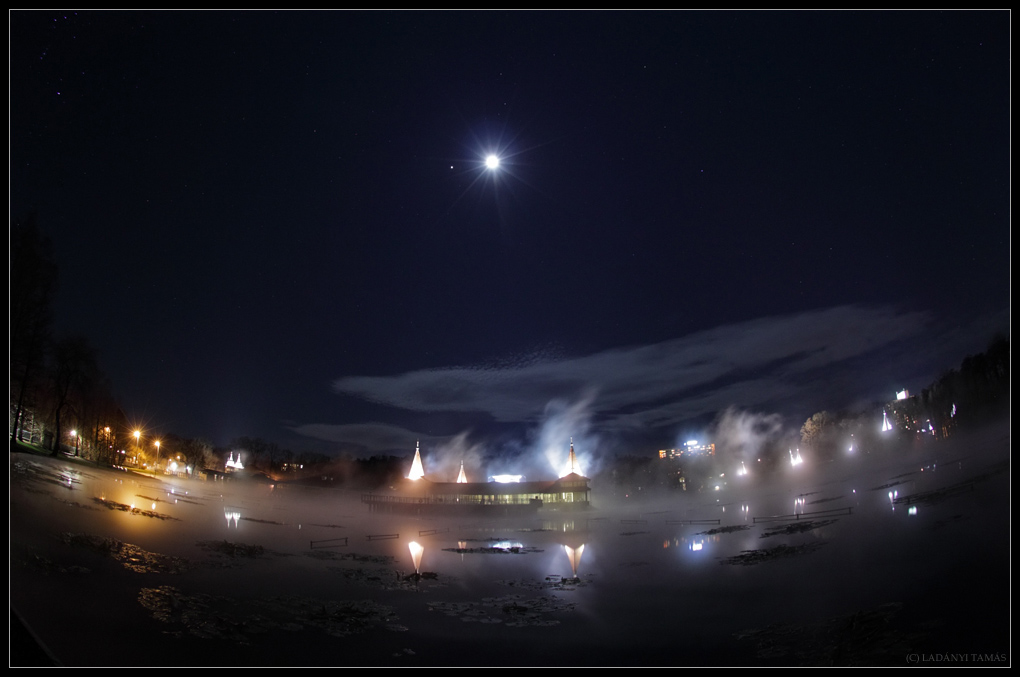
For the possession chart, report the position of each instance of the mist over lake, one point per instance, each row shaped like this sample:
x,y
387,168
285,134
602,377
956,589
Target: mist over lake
x,y
865,561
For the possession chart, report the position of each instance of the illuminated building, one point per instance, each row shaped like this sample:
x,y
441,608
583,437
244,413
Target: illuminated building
x,y
422,495
691,449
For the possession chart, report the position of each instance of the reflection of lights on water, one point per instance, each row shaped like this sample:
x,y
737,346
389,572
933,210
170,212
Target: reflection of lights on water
x,y
912,510
574,555
798,503
696,546
232,516
893,495
506,545
742,470
795,460
416,552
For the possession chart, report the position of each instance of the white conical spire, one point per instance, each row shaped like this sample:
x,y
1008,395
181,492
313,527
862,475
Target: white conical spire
x,y
461,478
573,458
417,471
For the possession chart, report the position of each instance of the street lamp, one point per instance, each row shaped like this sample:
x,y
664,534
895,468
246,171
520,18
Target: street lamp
x,y
157,454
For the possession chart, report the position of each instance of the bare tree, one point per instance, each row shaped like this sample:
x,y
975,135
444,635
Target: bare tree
x,y
33,282
74,371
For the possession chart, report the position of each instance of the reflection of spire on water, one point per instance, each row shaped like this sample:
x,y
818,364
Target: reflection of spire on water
x,y
462,478
416,552
574,555
231,515
417,471
886,426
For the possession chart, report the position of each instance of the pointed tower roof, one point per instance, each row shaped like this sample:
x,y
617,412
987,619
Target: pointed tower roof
x,y
461,478
417,471
573,458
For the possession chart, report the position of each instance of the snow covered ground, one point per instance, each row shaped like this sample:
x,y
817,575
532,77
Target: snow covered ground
x,y
894,559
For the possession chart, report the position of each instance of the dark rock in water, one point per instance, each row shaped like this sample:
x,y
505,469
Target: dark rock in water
x,y
797,527
725,530
131,556
233,549
863,638
749,557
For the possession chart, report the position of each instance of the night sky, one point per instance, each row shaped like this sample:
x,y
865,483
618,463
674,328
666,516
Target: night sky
x,y
280,224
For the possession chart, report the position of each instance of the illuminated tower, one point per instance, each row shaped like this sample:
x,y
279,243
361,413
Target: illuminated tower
x,y
417,471
461,478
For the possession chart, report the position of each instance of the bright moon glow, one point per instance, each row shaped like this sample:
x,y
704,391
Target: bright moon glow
x,y
492,162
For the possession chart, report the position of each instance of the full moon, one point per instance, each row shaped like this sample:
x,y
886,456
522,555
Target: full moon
x,y
492,162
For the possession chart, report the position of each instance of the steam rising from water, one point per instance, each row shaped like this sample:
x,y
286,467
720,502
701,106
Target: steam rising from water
x,y
443,463
740,436
562,422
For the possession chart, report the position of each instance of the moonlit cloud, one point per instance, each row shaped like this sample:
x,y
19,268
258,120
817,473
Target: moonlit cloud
x,y
362,437
744,364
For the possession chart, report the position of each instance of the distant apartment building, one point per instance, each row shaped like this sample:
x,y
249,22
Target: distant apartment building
x,y
691,449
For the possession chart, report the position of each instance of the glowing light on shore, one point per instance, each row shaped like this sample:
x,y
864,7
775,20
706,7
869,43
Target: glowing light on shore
x,y
417,471
506,479
416,553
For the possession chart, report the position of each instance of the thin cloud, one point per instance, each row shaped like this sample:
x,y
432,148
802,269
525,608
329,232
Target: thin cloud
x,y
746,364
363,437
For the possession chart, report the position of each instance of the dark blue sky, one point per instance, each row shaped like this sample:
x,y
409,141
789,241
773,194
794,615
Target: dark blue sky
x,y
278,224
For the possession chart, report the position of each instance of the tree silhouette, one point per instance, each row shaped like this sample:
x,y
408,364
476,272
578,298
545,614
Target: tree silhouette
x,y
33,283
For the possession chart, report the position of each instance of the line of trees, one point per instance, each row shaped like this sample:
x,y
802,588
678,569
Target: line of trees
x,y
960,398
56,384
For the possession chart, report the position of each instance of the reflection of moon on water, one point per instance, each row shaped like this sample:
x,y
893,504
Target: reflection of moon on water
x,y
416,552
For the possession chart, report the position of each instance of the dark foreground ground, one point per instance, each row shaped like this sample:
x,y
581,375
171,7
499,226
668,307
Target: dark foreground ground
x,y
893,559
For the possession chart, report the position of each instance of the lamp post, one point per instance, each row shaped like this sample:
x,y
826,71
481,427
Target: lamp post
x,y
74,434
157,454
